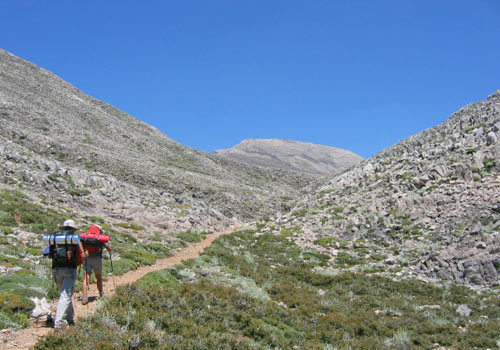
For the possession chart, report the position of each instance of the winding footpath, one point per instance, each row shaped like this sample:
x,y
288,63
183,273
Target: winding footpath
x,y
26,339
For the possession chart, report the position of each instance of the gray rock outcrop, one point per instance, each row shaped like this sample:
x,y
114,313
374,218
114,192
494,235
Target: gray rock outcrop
x,y
73,149
427,205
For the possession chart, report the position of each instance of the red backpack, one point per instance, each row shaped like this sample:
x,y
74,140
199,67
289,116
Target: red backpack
x,y
93,240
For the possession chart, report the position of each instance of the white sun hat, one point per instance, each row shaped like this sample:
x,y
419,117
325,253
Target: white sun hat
x,y
70,224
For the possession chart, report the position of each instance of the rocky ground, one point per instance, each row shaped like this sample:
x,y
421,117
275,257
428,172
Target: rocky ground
x,y
69,148
428,206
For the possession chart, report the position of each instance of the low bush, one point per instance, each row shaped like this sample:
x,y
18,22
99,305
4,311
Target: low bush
x,y
78,192
120,266
159,278
198,305
131,225
158,250
346,259
191,236
332,242
17,209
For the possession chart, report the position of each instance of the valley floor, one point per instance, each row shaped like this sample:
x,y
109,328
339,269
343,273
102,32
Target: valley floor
x,y
25,339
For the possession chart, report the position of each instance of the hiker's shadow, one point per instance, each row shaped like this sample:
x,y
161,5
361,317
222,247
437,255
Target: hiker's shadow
x,y
92,299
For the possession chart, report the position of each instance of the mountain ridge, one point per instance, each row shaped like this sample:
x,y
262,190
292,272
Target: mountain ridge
x,y
78,136
293,155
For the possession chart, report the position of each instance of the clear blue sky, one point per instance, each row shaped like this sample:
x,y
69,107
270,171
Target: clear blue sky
x,y
359,75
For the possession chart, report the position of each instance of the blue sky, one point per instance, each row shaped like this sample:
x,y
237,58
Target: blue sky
x,y
359,75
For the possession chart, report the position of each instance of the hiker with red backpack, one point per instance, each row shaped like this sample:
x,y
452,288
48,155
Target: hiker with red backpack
x,y
94,242
66,252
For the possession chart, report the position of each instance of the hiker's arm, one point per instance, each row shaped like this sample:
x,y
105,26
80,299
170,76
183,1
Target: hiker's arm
x,y
84,252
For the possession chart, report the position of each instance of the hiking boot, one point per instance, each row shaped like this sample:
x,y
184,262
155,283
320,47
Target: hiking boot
x,y
85,301
60,327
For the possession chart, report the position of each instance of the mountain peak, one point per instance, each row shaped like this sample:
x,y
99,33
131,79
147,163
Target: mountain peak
x,y
293,155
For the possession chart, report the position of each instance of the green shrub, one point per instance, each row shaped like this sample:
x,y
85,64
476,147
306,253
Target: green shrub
x,y
158,237
131,225
286,233
26,273
6,230
307,310
315,258
489,163
122,266
79,192
139,256
12,302
191,236
16,208
157,250
7,219
160,278
332,242
8,260
345,259
97,220
13,320
300,212
123,237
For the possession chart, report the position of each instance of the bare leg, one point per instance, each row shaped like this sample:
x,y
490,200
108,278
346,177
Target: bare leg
x,y
99,283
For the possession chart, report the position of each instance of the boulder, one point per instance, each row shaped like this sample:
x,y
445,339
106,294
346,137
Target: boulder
x,y
491,138
464,310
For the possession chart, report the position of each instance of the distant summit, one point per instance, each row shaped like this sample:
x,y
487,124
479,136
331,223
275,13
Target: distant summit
x,y
291,155
88,156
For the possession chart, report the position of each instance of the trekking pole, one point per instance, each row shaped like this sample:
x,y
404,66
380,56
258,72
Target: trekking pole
x,y
112,271
87,282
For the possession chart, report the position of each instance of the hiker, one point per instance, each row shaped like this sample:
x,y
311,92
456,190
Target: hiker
x,y
65,259
94,247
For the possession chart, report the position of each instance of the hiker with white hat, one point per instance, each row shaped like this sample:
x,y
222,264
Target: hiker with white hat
x,y
66,256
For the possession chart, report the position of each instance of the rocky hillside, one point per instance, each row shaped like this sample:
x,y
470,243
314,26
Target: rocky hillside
x,y
428,206
292,155
69,148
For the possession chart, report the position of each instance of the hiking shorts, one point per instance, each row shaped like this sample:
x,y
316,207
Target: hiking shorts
x,y
93,263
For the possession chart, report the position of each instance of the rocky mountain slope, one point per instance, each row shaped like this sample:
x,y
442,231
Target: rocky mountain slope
x,y
428,206
291,155
70,148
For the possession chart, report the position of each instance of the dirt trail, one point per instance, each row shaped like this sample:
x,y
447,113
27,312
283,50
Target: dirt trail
x,y
25,339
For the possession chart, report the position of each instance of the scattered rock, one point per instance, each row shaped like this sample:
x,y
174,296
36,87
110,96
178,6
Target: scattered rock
x,y
464,310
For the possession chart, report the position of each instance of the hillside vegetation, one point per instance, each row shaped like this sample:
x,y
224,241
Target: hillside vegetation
x,y
25,274
261,291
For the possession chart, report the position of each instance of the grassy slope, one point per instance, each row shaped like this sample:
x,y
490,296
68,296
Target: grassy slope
x,y
22,226
260,291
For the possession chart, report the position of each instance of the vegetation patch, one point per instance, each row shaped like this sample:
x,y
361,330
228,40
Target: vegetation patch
x,y
203,304
29,273
345,260
192,236
131,225
332,242
17,210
